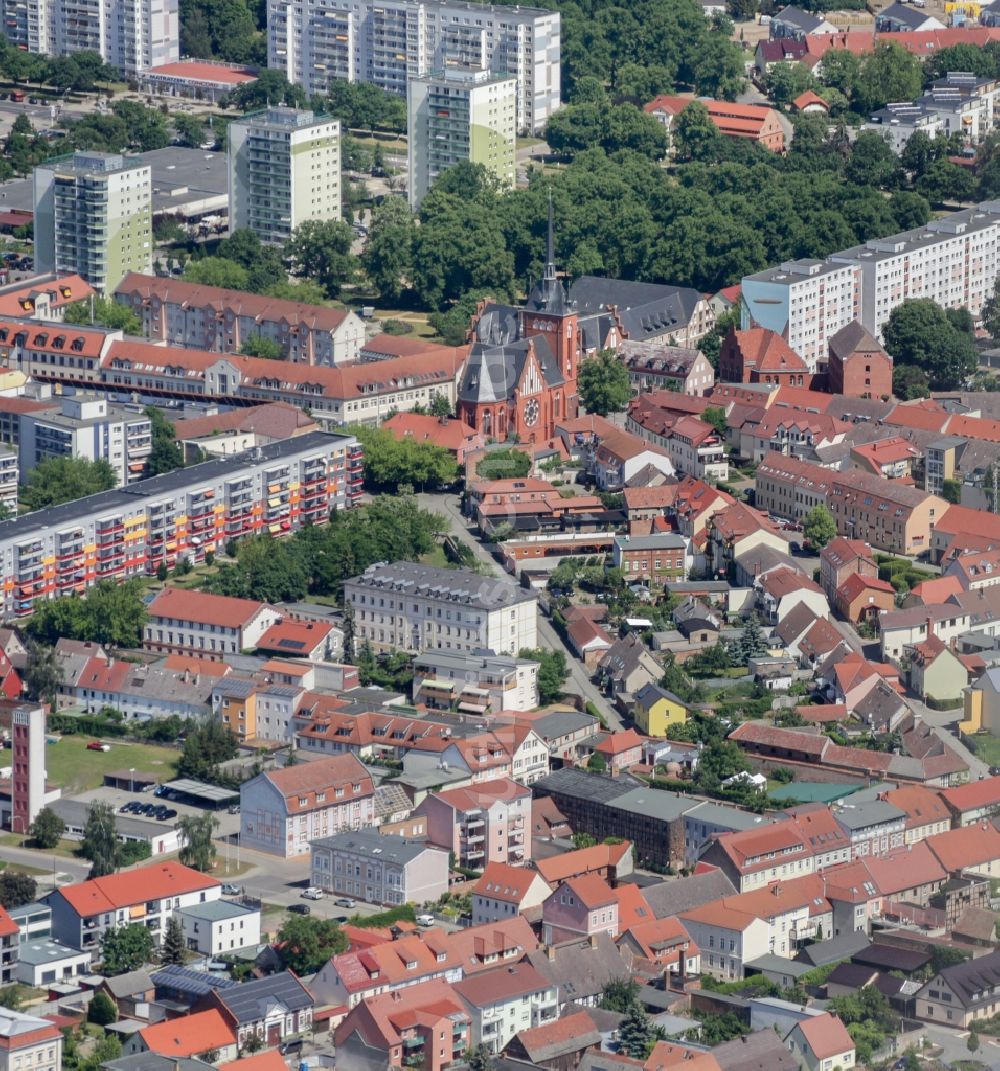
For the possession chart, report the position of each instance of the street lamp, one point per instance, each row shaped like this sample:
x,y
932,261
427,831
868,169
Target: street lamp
x,y
131,779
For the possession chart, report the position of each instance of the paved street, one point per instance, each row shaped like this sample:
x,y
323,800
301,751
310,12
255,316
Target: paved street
x,y
579,682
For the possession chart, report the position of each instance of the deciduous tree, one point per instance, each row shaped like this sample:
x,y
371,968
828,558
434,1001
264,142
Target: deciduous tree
x,y
388,256
100,842
603,384
65,479
198,832
819,527
46,829
126,948
305,943
17,888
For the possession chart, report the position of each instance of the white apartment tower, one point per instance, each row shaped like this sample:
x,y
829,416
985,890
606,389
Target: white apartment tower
x,y
132,35
392,41
953,261
455,115
284,169
94,216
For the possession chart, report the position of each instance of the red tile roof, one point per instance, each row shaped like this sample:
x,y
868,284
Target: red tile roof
x,y
189,1035
272,1060
500,985
938,589
582,861
451,434
766,351
223,610
591,890
19,300
618,743
974,795
857,584
203,72
153,882
970,846
803,100
827,1036
306,779
508,883
295,638
483,794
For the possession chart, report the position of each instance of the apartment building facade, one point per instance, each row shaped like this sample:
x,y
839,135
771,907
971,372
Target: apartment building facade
x,y
118,534
790,488
132,36
379,869
210,318
390,43
412,607
27,1041
951,260
83,913
284,169
87,427
503,685
456,115
484,823
208,626
887,514
93,215
281,811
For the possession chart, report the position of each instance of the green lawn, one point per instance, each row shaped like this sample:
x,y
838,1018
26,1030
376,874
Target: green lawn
x,y
986,746
75,769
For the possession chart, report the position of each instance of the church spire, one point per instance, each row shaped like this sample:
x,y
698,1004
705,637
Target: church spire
x,y
550,260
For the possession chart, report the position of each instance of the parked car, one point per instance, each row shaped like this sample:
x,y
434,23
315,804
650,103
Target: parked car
x,y
228,889
169,812
344,901
312,893
293,1045
425,920
160,790
299,909
96,745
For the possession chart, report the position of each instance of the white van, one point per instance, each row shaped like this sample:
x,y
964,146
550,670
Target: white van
x,y
425,920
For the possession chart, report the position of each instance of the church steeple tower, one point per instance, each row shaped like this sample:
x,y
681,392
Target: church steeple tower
x,y
549,294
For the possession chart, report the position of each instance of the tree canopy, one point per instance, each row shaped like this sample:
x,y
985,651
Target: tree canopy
x,y
305,943
65,479
920,335
604,384
109,613
391,463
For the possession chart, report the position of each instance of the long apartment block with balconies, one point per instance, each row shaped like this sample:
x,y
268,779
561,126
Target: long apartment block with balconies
x,y
184,514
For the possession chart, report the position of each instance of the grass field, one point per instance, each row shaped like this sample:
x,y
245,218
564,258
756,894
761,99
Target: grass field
x,y
75,769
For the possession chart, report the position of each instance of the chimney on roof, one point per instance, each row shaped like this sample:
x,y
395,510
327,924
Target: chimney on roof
x,y
930,627
550,953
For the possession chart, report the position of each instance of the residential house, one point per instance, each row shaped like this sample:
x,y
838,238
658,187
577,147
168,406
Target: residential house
x,y
558,1045
654,366
656,559
900,18
888,514
589,639
189,1036
378,868
580,970
510,684
972,803
768,853
83,912
282,810
484,823
792,23
925,809
665,944
782,590
936,672
453,435
982,704
891,458
620,455
426,1021
612,862
959,995
131,992
208,626
220,926
874,827
758,355
864,598
655,709
971,849
858,366
697,621
627,666
620,750
738,529
790,487
273,1009
752,121
29,1041
504,891
821,1043
505,1001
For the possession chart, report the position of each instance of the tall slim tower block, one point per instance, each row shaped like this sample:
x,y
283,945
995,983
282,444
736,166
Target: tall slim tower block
x,y
28,778
94,216
284,168
460,114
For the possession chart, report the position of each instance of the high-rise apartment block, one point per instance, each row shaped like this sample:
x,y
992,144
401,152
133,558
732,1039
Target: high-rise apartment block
x,y
94,216
284,168
392,41
952,261
460,114
132,35
87,427
27,781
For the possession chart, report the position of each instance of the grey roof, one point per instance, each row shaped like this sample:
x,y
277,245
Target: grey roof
x,y
151,1061
771,962
651,693
371,843
38,952
216,911
674,897
453,585
578,970
583,785
657,358
250,1001
202,790
879,706
562,722
866,813
128,984
717,814
390,798
762,1050
496,363
79,509
851,338
26,911
234,687
188,980
646,310
795,16
469,662
834,950
657,541
973,982
906,16
654,803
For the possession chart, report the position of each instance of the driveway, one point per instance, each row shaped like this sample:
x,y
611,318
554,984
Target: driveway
x,y
579,681
944,722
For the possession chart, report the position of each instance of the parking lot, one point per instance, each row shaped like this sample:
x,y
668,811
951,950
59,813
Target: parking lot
x,y
117,797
